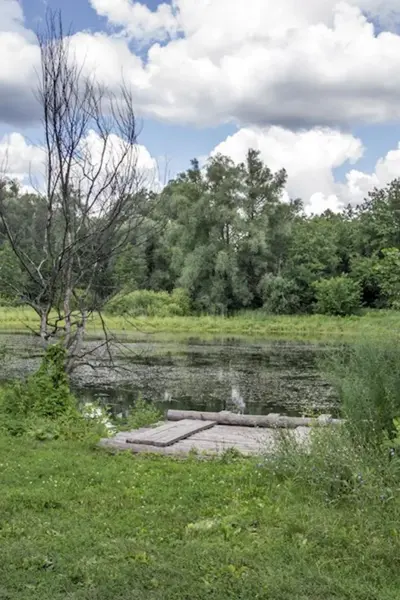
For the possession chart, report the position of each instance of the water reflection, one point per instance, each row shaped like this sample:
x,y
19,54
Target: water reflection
x,y
252,378
246,377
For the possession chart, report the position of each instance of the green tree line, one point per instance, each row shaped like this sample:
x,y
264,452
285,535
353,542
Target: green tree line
x,y
220,239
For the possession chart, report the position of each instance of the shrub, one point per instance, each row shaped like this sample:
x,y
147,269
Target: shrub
x,y
387,271
367,380
279,294
151,304
339,296
142,414
43,406
334,466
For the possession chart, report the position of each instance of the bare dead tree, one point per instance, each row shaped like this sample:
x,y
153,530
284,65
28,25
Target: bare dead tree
x,y
93,194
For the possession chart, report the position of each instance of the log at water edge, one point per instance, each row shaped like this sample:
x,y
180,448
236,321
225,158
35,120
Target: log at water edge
x,y
271,420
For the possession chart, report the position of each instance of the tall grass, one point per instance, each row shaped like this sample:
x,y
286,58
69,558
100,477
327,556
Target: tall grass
x,y
366,376
358,461
376,324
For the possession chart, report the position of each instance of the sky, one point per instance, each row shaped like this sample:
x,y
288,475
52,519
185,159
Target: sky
x,y
314,86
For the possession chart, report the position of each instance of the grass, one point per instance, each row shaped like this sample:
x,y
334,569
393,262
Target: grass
x,y
255,325
366,376
82,524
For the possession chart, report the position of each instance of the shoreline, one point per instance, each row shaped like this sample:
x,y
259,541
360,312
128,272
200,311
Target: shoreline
x,y
248,326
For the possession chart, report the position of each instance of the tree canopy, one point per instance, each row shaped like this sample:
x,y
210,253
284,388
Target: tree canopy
x,y
225,235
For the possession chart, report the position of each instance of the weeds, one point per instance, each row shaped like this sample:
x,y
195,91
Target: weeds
x,y
376,324
336,468
143,414
309,522
83,524
43,407
366,377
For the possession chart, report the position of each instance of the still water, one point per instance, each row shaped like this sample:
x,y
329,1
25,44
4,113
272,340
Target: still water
x,y
251,377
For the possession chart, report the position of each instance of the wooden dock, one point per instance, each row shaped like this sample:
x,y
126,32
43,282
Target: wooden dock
x,y
203,433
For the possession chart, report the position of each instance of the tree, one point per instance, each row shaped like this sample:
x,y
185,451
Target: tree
x,y
219,231
262,242
92,196
379,220
337,296
279,295
313,255
387,271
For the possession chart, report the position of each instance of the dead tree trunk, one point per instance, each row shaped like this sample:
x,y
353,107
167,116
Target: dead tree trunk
x,y
92,193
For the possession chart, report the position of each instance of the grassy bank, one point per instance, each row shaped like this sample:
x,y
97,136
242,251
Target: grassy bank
x,y
80,524
372,323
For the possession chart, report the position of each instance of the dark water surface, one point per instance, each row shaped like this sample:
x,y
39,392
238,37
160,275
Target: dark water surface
x,y
256,377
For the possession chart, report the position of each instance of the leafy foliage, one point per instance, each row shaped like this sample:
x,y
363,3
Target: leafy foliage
x,y
151,304
388,275
280,295
337,296
367,379
43,406
225,238
143,414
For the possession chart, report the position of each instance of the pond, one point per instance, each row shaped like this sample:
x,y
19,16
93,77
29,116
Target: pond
x,y
256,377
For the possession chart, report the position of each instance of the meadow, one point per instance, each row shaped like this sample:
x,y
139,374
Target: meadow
x,y
378,323
81,524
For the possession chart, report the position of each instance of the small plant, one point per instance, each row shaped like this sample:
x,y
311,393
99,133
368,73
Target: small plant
x,y
392,442
143,414
230,455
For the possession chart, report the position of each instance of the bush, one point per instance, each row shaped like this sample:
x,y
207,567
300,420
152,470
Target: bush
x,y
335,466
150,304
367,380
387,271
339,296
279,295
142,414
43,406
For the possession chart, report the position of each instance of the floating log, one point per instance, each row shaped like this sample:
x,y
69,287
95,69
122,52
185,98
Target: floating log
x,y
271,420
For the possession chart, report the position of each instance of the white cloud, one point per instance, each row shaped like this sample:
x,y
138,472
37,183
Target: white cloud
x,y
114,156
308,157
25,162
358,184
12,16
19,159
262,62
137,19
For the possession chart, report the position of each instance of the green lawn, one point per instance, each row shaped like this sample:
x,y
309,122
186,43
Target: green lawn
x,y
78,523
374,323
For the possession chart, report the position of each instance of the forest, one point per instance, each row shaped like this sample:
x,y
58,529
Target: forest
x,y
219,240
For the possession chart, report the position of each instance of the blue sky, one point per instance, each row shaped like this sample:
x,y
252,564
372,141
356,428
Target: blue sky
x,y
294,110
179,144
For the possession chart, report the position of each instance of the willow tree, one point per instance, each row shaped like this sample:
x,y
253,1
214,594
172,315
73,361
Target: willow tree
x,y
91,194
